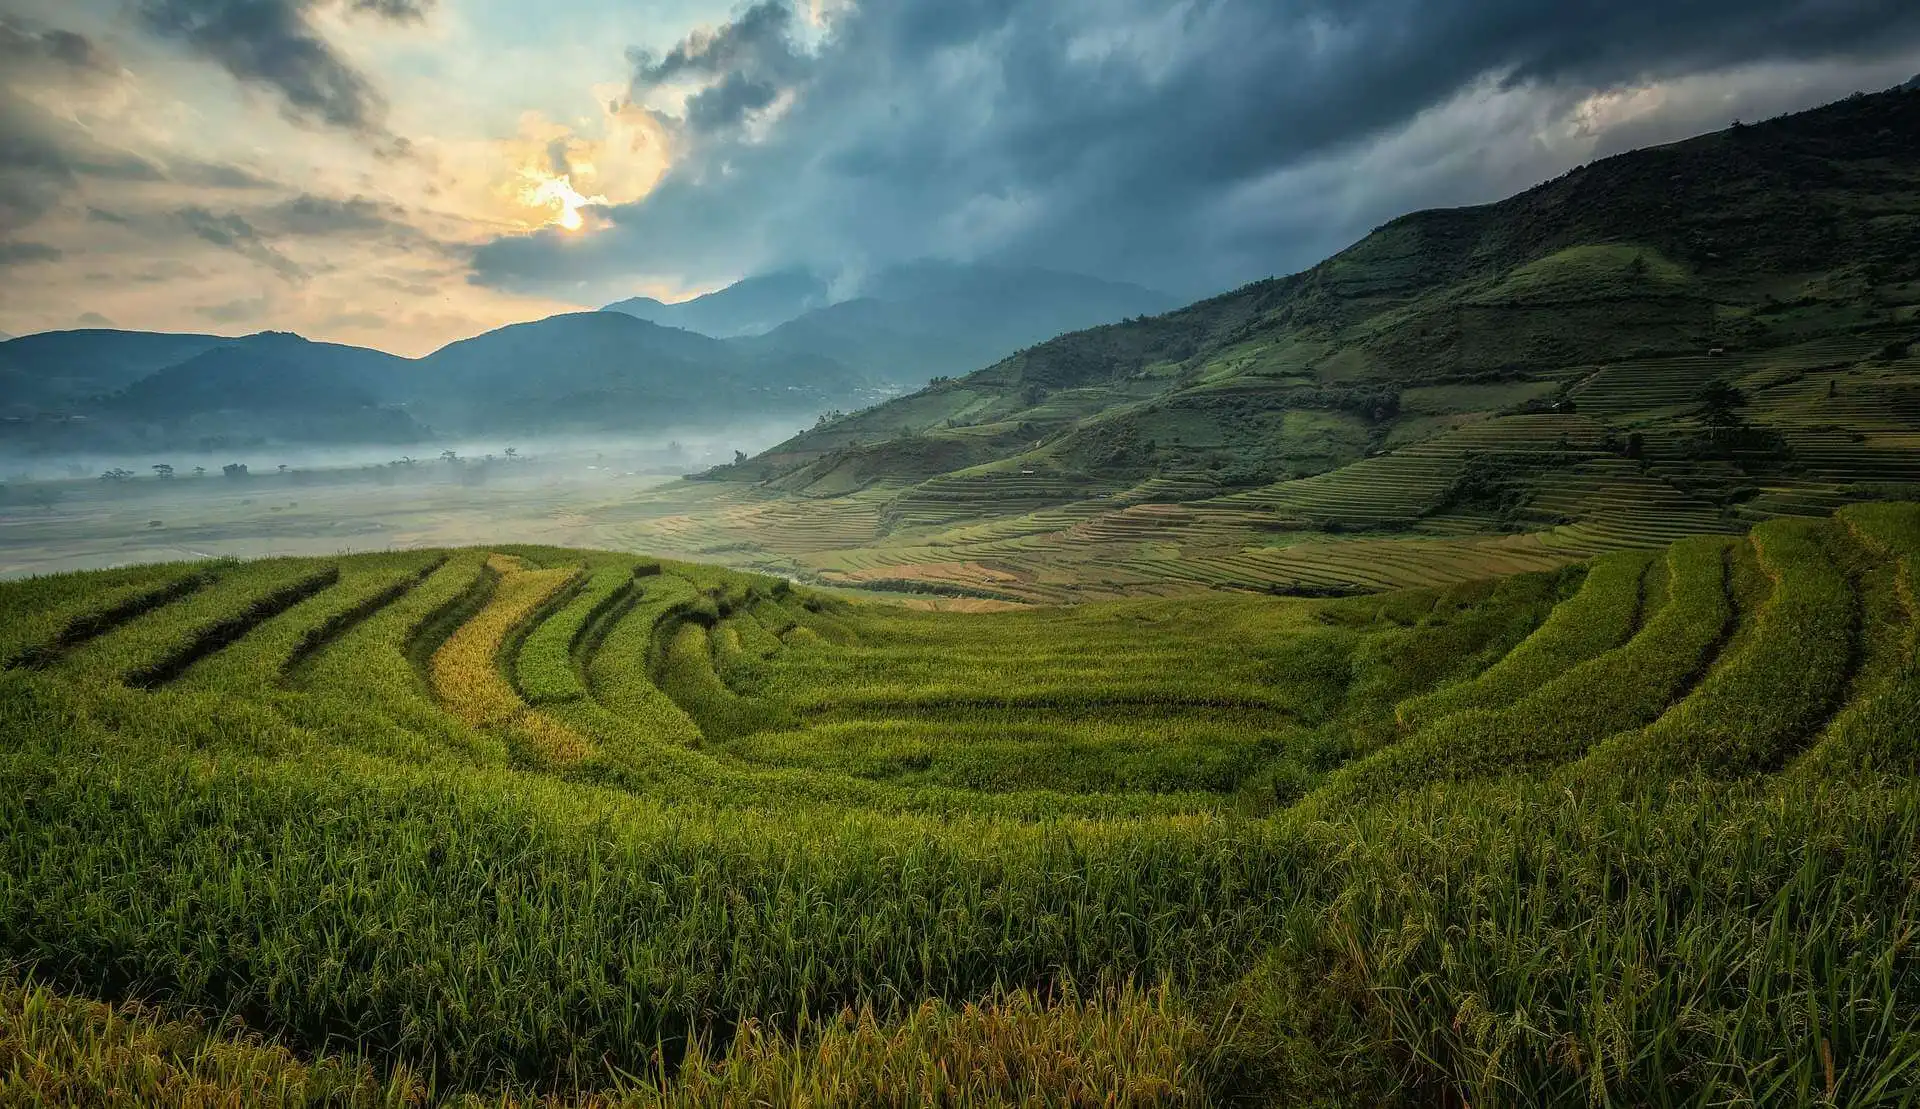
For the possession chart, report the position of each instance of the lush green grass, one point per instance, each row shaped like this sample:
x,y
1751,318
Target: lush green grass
x,y
57,1050
1879,728
155,645
263,657
1756,709
537,823
1607,610
1562,717
546,664
37,625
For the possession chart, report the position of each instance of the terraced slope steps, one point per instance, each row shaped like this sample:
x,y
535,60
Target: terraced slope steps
x,y
536,823
1667,342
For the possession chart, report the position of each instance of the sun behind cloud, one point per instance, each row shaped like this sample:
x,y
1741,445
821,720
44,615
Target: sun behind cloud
x,y
555,172
555,192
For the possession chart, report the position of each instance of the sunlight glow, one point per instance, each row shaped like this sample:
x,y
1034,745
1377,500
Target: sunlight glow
x,y
557,194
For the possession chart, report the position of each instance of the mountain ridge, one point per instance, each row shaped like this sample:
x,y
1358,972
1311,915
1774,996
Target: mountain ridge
x,y
750,306
1628,200
1684,338
604,371
572,372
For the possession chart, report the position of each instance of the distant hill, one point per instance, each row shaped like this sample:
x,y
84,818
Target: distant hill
x,y
608,370
598,371
748,307
279,386
908,323
272,372
924,320
1687,337
59,368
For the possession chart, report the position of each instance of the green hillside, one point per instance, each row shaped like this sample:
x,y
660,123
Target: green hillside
x,y
1677,340
534,823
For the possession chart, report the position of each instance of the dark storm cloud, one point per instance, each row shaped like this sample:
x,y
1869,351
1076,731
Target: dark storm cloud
x,y
230,232
355,217
744,66
1123,136
43,156
308,214
20,253
274,44
21,42
215,175
400,11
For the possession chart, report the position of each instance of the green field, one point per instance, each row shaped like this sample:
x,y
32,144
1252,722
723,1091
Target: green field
x,y
529,824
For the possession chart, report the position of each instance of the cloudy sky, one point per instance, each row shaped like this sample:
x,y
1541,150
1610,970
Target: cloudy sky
x,y
401,173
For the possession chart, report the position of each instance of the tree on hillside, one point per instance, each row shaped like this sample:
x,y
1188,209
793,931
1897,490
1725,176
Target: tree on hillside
x,y
1720,404
1728,434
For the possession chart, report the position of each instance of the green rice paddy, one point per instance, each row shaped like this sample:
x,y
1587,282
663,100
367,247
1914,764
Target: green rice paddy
x,y
543,826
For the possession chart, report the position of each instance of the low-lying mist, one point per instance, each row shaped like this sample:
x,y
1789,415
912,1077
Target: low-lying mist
x,y
680,451
91,511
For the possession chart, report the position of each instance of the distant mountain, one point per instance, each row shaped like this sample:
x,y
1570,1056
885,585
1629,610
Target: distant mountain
x,y
272,372
58,369
609,370
906,323
280,386
923,320
599,371
747,307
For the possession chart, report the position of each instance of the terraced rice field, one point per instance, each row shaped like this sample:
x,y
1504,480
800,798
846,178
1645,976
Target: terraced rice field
x,y
534,823
1621,465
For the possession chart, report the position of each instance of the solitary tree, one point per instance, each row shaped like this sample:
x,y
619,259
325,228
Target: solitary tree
x,y
199,471
1719,405
163,470
448,456
512,453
